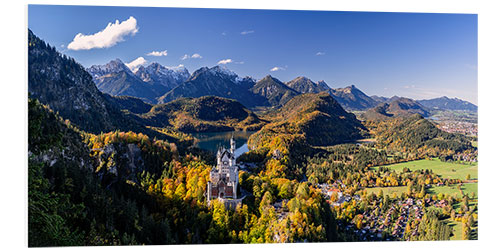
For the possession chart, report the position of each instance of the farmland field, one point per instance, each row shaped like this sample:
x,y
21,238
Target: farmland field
x,y
443,169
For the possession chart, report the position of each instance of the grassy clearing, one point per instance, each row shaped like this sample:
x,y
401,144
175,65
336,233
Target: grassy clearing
x,y
457,229
467,188
387,190
443,169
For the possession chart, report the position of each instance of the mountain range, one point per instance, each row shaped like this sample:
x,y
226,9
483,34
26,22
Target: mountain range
x,y
159,84
69,89
147,83
216,81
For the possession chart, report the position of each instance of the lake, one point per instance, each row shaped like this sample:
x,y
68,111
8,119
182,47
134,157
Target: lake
x,y
212,141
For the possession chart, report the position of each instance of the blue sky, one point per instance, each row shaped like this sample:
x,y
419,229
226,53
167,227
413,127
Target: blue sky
x,y
416,55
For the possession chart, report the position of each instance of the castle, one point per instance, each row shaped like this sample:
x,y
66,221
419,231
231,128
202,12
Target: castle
x,y
223,184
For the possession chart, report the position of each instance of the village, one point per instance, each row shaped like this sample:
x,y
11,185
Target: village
x,y
461,127
399,221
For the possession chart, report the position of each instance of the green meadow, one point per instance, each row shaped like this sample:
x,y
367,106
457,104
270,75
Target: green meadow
x,y
453,190
443,169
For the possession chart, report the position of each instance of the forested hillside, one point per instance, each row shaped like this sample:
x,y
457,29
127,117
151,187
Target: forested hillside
x,y
306,120
63,84
89,189
204,114
318,117
398,107
419,136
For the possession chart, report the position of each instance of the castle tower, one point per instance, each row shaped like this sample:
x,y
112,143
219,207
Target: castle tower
x,y
233,145
209,191
235,183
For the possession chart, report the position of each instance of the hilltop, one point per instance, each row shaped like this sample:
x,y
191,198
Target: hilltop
x,y
398,107
204,114
317,117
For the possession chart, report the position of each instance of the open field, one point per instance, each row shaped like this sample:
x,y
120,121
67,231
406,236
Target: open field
x,y
443,169
453,190
387,190
457,229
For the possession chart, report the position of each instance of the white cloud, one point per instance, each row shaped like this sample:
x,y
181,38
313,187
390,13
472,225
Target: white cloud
x,y
225,61
246,32
224,33
178,66
194,56
108,37
135,64
157,53
320,53
276,69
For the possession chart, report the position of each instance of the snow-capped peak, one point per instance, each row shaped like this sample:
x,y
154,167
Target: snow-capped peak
x,y
112,66
178,68
167,76
224,71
